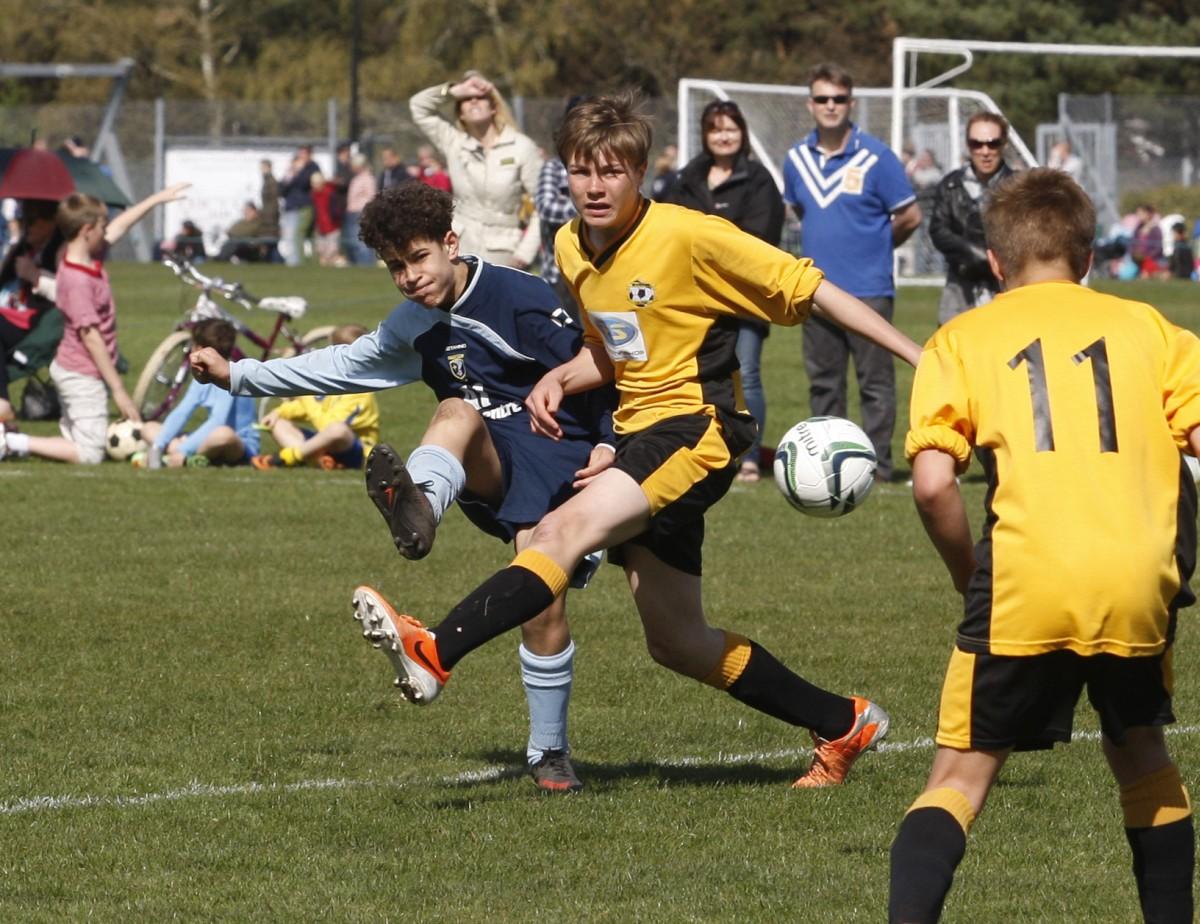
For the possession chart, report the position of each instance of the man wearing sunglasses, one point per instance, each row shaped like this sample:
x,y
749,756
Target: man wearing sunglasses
x,y
856,205
956,226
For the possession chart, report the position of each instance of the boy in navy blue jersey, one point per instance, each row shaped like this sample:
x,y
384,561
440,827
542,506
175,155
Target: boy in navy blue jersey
x,y
480,336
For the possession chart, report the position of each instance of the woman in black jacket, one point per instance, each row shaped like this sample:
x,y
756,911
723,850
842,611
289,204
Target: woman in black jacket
x,y
725,180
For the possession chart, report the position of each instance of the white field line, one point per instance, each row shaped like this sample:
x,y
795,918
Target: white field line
x,y
195,790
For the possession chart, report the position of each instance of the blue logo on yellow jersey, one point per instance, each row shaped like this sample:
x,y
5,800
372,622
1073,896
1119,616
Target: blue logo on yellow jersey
x,y
619,332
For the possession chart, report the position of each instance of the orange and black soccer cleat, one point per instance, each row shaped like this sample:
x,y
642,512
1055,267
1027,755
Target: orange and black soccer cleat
x,y
832,759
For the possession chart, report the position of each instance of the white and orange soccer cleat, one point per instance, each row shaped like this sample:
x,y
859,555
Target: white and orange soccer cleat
x,y
406,642
832,759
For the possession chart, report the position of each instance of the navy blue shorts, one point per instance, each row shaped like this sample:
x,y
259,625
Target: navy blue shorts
x,y
536,474
347,458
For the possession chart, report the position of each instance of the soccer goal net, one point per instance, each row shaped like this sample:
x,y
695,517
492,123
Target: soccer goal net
x,y
777,117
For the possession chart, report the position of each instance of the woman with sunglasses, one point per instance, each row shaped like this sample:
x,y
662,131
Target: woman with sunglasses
x,y
725,179
956,223
493,168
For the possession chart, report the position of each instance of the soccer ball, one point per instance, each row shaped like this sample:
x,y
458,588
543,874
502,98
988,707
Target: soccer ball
x,y
825,466
123,440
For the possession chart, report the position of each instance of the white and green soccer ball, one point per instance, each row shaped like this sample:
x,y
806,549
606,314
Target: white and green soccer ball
x,y
825,466
123,439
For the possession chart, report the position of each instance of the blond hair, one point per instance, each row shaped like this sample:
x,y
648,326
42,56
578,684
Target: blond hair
x,y
613,126
1040,216
502,116
77,211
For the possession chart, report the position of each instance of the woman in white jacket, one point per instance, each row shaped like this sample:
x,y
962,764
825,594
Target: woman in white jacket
x,y
492,166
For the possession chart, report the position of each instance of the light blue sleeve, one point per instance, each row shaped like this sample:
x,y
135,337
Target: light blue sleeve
x,y
382,359
173,425
219,404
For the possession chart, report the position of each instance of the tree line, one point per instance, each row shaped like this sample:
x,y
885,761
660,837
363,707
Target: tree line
x,y
296,50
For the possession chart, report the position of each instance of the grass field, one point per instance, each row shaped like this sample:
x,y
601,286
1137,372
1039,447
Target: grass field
x,y
194,731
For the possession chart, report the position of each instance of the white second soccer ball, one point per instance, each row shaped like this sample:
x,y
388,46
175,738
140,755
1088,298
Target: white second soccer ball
x,y
825,466
124,438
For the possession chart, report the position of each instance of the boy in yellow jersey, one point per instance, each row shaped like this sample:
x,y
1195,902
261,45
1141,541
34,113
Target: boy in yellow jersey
x,y
662,289
338,431
1077,404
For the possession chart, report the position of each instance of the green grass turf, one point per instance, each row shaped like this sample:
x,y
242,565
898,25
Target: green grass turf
x,y
193,731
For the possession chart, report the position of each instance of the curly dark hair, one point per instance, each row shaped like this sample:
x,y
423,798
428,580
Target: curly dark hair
x,y
402,214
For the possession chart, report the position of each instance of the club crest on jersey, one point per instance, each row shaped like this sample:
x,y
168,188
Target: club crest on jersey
x,y
641,293
458,365
852,182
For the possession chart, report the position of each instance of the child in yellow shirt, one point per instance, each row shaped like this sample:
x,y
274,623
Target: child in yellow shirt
x,y
332,431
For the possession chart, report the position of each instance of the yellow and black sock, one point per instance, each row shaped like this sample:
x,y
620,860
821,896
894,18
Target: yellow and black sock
x,y
927,850
752,675
1159,828
502,602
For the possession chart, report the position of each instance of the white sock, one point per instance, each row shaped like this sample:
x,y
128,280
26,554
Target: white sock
x,y
17,443
439,474
547,681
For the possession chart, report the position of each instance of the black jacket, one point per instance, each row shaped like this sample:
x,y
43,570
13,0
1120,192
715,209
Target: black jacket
x,y
749,197
956,229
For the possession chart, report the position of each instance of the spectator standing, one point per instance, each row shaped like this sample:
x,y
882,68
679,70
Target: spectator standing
x,y
664,171
268,209
492,168
1182,264
1061,158
726,180
925,172
394,172
432,171
1146,247
359,192
850,193
296,192
327,221
956,222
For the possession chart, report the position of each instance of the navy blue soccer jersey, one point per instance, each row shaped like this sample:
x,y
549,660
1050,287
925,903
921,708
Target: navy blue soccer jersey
x,y
490,348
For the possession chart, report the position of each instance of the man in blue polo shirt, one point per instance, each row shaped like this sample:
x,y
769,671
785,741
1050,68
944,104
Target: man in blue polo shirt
x,y
850,192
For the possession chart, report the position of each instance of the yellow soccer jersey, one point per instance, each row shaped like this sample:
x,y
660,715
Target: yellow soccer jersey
x,y
664,301
1077,405
360,412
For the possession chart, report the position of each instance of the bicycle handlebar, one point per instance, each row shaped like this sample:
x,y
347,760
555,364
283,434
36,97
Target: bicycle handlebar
x,y
291,305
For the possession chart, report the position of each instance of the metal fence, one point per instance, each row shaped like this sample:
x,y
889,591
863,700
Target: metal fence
x,y
1126,142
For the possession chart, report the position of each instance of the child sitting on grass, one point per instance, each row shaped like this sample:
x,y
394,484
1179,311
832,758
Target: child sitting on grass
x,y
84,369
228,435
336,431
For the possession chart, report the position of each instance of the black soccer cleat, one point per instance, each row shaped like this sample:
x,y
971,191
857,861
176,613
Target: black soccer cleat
x,y
403,504
553,773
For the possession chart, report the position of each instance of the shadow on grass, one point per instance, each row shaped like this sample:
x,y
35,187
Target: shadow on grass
x,y
603,775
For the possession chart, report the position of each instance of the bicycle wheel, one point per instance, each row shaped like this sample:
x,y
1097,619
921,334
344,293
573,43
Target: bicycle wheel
x,y
161,383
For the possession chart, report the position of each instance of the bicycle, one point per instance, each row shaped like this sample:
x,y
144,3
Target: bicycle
x,y
162,381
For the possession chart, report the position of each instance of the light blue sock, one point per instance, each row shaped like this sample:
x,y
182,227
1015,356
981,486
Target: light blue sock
x,y
439,474
547,681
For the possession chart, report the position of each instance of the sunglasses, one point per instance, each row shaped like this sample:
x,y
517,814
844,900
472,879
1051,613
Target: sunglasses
x,y
992,144
840,100
721,107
